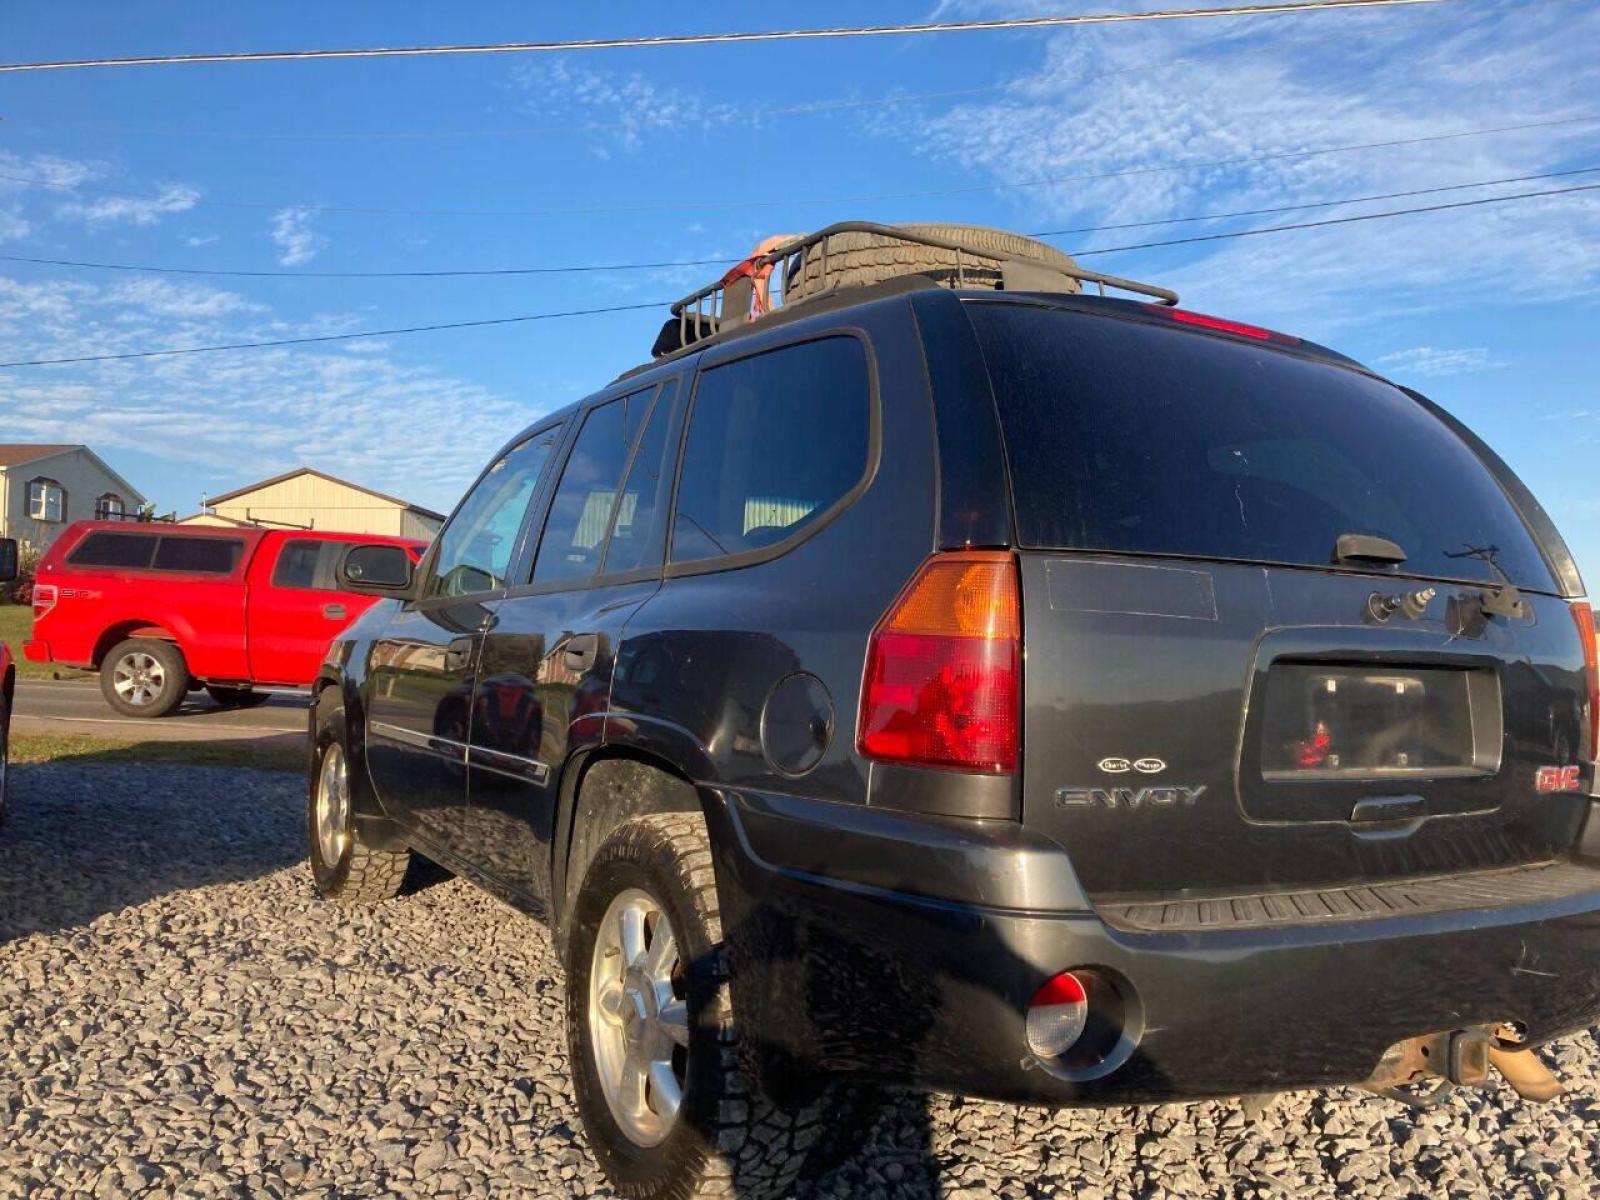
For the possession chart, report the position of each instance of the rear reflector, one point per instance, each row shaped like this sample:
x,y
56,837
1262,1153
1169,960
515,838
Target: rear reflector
x,y
44,599
944,668
1057,1015
1185,317
1583,616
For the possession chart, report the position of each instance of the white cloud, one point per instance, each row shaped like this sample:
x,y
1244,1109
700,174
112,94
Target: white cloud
x,y
622,108
130,209
208,240
1101,101
225,419
1433,362
297,241
13,225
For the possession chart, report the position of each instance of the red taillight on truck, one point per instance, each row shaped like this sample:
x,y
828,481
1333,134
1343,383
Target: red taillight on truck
x,y
1583,615
944,668
44,599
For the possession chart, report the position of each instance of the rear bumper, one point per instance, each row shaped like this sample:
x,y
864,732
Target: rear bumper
x,y
907,948
37,651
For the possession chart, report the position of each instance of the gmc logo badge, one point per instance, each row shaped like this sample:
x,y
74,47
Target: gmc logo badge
x,y
1128,798
1555,779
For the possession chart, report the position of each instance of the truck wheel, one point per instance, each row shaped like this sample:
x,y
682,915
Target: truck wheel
x,y
237,697
341,867
144,677
655,1063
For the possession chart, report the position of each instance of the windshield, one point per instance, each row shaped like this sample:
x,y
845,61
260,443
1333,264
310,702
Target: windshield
x,y
1132,438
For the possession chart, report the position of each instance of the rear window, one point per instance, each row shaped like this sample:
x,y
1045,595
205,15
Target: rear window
x,y
1129,438
113,550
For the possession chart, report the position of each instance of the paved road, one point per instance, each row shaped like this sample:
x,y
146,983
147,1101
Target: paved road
x,y
76,706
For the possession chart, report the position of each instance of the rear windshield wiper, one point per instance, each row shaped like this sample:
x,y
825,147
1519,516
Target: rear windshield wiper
x,y
1366,548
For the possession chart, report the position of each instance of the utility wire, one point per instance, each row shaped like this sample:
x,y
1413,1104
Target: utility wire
x,y
703,205
724,259
705,39
583,312
1398,212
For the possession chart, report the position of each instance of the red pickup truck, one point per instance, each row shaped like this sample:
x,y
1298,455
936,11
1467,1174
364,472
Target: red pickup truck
x,y
160,610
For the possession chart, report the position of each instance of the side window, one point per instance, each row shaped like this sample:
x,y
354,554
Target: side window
x,y
207,556
636,534
306,563
774,441
114,550
580,513
475,548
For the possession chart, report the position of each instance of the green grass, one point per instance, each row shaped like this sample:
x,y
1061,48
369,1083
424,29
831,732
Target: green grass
x,y
16,627
266,754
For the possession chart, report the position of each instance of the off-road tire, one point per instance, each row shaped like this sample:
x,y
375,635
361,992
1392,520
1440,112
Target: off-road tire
x,y
855,259
361,875
237,697
175,676
729,1139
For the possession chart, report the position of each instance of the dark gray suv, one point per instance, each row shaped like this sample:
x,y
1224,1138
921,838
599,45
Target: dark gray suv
x,y
953,679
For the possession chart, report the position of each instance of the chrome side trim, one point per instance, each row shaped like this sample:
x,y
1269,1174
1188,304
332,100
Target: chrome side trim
x,y
443,747
528,770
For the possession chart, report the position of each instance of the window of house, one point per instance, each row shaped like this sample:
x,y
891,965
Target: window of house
x,y
581,511
475,548
109,507
47,500
774,442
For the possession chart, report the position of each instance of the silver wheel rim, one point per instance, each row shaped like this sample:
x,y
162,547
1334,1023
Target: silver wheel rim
x,y
332,813
638,1018
139,678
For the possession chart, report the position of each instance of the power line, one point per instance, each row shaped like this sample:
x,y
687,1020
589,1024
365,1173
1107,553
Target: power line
x,y
703,205
1398,212
705,39
583,312
333,337
724,259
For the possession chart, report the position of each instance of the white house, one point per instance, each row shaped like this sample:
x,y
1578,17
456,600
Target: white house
x,y
45,487
309,499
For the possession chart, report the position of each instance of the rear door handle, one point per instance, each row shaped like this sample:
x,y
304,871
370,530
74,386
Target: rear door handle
x,y
334,612
580,651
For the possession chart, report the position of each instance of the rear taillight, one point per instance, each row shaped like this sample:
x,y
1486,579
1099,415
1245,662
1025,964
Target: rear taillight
x,y
44,599
1583,616
944,668
1238,328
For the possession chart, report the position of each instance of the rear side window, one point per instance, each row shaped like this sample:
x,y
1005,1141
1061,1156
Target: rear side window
x,y
1125,437
580,514
774,442
114,550
307,563
205,556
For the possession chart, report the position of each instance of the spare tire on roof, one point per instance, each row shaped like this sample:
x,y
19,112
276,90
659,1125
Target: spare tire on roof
x,y
854,259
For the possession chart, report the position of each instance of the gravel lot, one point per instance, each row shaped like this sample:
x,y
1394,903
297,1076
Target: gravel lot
x,y
178,1016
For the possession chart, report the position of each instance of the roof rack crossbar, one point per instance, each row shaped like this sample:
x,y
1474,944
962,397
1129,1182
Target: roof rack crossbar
x,y
791,255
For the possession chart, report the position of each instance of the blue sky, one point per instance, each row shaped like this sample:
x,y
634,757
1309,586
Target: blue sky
x,y
687,153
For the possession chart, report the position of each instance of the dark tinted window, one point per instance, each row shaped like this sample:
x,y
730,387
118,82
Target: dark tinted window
x,y
208,556
114,550
306,563
476,546
636,539
774,442
1127,437
580,513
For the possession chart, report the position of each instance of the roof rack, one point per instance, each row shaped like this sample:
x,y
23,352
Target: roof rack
x,y
740,295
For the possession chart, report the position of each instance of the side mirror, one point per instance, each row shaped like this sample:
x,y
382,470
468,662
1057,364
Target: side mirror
x,y
8,559
375,570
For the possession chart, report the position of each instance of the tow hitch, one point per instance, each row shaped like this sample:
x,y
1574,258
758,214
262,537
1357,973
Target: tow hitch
x,y
1460,1058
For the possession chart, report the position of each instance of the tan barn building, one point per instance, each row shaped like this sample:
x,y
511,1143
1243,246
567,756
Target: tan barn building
x,y
308,499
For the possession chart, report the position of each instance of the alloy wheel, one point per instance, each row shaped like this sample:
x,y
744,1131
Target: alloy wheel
x,y
332,808
139,678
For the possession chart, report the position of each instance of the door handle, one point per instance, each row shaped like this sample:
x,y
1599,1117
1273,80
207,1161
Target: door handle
x,y
334,612
580,651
